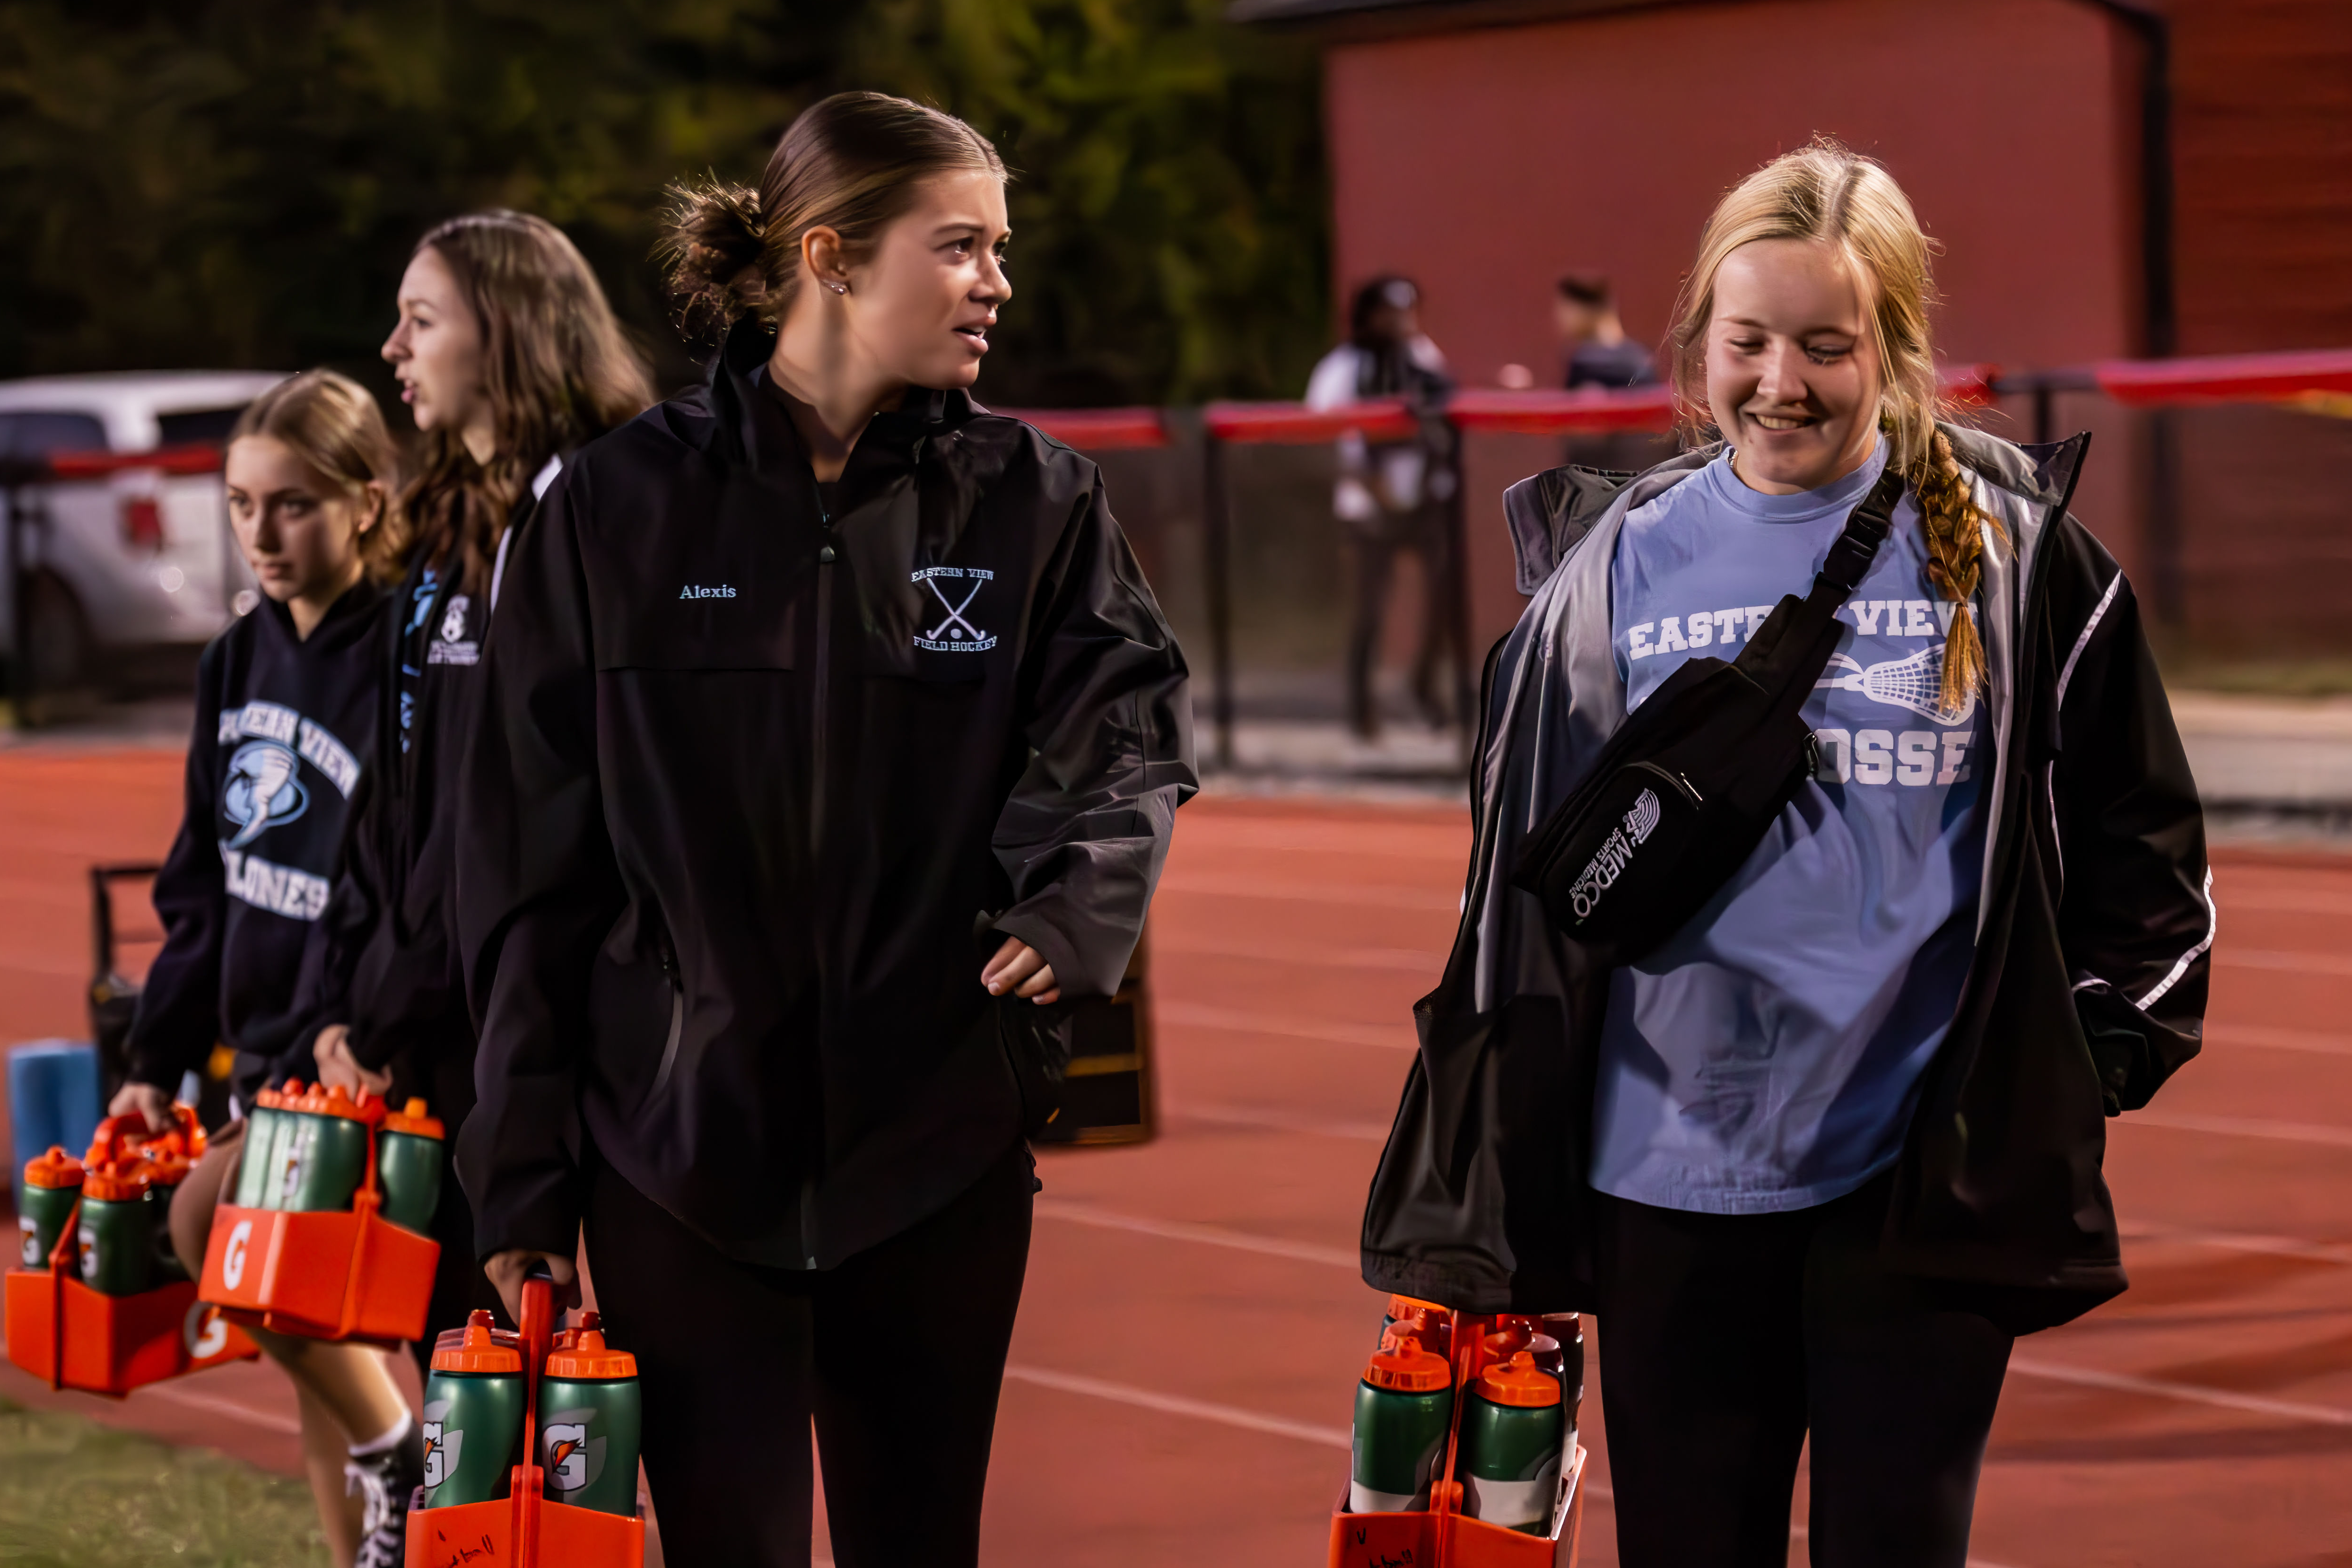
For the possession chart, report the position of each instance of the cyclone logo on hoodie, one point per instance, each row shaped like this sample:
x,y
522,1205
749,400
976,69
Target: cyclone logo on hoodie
x,y
262,790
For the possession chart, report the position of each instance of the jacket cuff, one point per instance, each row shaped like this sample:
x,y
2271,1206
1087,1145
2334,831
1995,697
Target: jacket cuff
x,y
1032,926
545,1221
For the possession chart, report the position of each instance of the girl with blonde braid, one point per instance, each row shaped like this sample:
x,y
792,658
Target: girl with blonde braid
x,y
1816,1160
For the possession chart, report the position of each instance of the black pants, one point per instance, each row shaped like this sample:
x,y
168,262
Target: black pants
x,y
1424,535
1724,1339
898,1354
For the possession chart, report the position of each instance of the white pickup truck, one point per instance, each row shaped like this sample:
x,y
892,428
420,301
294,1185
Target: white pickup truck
x,y
117,536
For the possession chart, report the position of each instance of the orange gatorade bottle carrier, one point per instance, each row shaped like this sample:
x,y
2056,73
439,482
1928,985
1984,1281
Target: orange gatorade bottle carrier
x,y
306,1248
528,1524
97,1301
1385,1518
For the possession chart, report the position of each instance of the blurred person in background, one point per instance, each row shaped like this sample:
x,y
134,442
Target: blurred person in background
x,y
1820,1157
1391,496
1594,349
510,359
287,707
832,736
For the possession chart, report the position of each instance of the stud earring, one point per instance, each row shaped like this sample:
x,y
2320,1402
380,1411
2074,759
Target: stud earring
x,y
838,287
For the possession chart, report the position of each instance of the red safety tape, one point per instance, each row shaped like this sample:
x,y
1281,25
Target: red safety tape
x,y
1296,425
171,460
1096,429
2224,378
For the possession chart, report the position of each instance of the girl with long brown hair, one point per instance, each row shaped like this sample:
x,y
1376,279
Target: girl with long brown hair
x,y
1819,1157
510,359
834,736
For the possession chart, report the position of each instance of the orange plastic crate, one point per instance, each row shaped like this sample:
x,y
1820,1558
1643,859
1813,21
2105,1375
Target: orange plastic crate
x,y
1442,1536
523,1528
327,1274
71,1336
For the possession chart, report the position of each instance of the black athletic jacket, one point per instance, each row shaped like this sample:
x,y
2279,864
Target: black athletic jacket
x,y
285,735
2093,940
763,780
390,970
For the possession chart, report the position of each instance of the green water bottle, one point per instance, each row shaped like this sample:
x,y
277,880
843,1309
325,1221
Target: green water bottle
x,y
254,1162
1509,1461
118,1238
52,1188
1403,1406
590,1420
328,1151
473,1418
408,1167
163,1171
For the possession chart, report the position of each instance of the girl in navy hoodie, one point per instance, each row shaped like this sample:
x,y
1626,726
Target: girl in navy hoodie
x,y
287,703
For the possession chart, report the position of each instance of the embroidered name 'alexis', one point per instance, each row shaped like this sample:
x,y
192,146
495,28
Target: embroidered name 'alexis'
x,y
692,591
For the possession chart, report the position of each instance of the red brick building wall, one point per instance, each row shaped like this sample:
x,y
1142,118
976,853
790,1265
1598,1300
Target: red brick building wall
x,y
1484,160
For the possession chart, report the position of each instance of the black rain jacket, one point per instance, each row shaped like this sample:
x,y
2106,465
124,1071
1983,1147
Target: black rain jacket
x,y
2092,940
763,781
285,740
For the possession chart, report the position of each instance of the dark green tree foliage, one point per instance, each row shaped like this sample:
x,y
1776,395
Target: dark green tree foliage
x,y
239,183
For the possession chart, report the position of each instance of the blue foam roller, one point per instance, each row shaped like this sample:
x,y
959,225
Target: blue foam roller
x,y
52,1100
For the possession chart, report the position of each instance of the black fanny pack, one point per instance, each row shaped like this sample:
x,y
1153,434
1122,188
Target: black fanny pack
x,y
1690,782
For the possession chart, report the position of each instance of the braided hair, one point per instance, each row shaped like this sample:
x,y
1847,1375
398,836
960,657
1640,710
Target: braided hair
x,y
1824,192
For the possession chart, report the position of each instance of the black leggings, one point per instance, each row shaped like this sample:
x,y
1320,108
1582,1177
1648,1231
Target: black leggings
x,y
898,1353
1724,1339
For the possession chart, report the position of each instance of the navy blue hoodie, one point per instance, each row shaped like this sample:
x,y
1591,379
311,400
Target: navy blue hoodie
x,y
285,729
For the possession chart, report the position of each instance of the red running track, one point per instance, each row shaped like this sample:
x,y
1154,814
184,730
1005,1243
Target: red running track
x,y
1193,1321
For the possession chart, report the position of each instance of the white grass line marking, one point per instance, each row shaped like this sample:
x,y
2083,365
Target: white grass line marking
x,y
2242,1127
268,1421
1177,1404
1397,1036
2226,1241
1378,896
2276,958
1206,1235
2246,1034
1279,1121
1423,960
2188,1393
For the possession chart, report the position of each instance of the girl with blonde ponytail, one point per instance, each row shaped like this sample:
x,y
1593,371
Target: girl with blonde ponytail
x,y
1817,1158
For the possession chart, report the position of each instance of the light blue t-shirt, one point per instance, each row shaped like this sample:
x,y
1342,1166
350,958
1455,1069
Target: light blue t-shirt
x,y
1766,1056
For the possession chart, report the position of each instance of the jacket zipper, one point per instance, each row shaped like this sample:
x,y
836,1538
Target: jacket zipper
x,y
824,559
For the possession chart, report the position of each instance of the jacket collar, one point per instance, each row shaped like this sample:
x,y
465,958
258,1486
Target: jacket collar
x,y
731,395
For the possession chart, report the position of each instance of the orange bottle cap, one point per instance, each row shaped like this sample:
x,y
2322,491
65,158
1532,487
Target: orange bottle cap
x,y
1510,1334
165,1167
116,1182
581,1352
411,1118
1520,1382
1406,1306
1408,1369
478,1352
55,1169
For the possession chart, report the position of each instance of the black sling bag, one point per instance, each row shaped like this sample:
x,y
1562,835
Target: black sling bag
x,y
1687,787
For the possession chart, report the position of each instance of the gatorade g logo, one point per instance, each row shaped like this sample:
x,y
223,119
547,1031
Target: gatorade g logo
x,y
205,1333
571,1457
32,1249
89,1252
441,1448
1615,854
240,1237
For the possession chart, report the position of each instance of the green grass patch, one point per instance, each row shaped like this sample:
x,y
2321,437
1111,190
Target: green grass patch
x,y
75,1494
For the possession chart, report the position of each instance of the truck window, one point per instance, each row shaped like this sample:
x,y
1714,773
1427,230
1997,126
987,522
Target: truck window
x,y
37,435
209,427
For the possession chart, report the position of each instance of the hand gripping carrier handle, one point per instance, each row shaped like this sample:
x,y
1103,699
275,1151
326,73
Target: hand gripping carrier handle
x,y
1686,789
